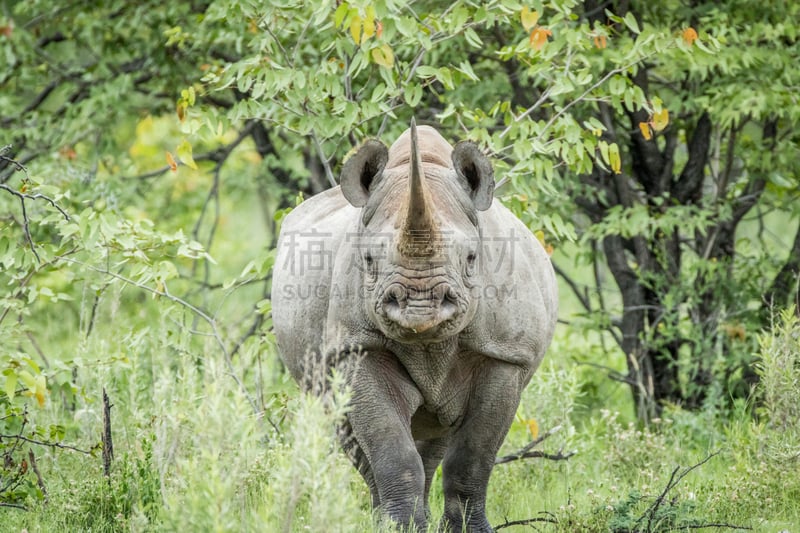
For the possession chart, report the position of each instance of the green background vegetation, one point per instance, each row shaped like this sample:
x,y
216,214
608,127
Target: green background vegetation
x,y
149,150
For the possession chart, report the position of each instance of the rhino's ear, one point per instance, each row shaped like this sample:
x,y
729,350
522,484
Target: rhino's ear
x,y
476,172
361,170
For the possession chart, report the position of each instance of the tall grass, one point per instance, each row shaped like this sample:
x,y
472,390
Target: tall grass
x,y
193,455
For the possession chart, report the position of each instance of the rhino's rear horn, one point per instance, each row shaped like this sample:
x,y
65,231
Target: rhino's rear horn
x,y
475,172
362,170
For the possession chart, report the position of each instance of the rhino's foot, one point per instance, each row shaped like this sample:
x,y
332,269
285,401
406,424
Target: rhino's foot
x,y
457,524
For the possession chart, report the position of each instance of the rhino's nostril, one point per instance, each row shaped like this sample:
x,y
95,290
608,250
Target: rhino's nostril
x,y
395,296
449,301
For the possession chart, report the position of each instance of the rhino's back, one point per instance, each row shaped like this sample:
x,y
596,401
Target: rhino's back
x,y
309,240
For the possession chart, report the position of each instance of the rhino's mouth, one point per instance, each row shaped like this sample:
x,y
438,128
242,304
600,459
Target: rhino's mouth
x,y
418,310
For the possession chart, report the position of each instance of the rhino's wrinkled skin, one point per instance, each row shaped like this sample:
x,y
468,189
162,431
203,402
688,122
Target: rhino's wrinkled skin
x,y
442,296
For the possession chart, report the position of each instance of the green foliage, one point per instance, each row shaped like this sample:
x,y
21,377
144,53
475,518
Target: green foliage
x,y
779,384
154,148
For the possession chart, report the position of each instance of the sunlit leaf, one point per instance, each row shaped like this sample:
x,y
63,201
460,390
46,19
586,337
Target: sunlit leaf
x,y
355,28
644,127
11,385
40,389
603,145
383,56
533,428
529,18
614,159
27,379
660,119
185,154
369,23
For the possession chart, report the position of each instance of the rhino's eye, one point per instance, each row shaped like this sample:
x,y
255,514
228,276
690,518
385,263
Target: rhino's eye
x,y
471,257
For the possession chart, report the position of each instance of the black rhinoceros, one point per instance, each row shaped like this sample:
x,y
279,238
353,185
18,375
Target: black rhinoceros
x,y
442,296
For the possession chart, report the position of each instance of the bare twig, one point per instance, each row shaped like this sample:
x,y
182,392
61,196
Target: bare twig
x,y
13,506
613,373
20,438
526,522
108,444
39,479
528,452
326,164
718,525
25,220
579,294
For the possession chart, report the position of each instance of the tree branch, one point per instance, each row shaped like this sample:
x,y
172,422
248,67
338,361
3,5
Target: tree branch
x,y
24,196
49,444
689,183
528,452
526,522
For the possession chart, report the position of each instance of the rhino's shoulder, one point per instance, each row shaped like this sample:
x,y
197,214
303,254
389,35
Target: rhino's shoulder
x,y
518,291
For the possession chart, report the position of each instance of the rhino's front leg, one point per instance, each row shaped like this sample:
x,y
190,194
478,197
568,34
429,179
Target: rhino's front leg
x,y
382,402
470,457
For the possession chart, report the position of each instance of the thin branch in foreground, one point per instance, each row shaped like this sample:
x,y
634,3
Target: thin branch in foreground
x,y
13,506
719,525
39,479
21,438
22,196
526,522
528,452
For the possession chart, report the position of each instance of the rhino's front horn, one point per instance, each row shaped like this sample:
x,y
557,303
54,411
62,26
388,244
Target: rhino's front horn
x,y
419,230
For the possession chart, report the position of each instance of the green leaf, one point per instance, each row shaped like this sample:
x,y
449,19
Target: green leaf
x,y
631,23
413,94
340,14
10,387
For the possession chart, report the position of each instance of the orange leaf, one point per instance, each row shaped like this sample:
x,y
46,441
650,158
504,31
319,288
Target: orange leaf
x,y
173,165
378,29
644,127
539,37
68,152
8,29
689,35
600,41
533,427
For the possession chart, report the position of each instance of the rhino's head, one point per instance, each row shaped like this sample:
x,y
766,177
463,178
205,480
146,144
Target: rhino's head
x,y
419,241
